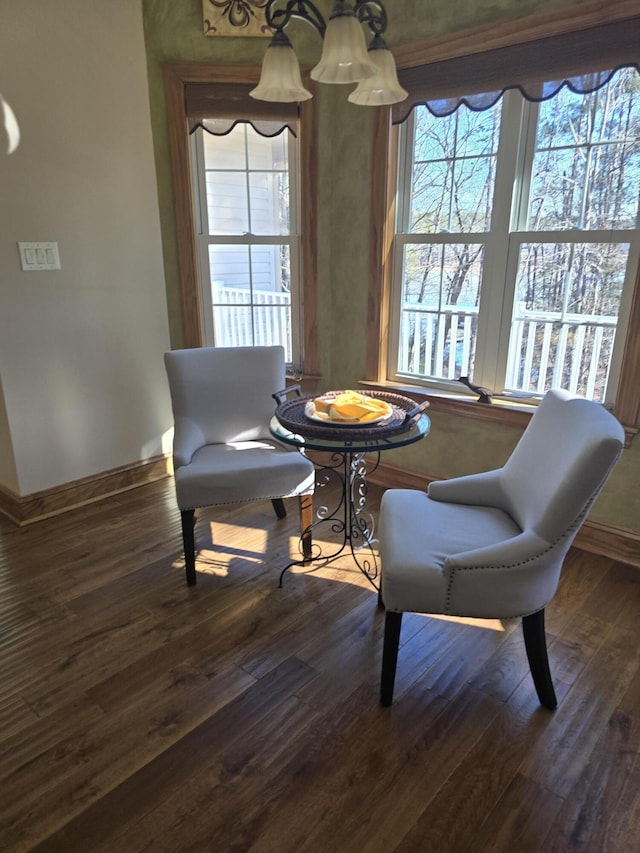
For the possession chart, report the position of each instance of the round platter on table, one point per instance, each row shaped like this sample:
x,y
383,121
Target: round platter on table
x,y
293,414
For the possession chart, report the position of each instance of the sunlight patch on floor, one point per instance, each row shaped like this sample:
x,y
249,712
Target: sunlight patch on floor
x,y
217,560
490,624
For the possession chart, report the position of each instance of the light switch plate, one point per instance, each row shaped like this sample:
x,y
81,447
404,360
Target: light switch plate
x,y
39,256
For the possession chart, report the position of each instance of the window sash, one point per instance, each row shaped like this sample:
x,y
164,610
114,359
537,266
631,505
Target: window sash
x,y
204,240
624,237
501,253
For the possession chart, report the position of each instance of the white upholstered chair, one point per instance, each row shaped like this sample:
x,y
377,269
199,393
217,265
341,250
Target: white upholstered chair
x,y
491,545
222,449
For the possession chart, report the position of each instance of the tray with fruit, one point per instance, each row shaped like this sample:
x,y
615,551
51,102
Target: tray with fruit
x,y
371,416
348,408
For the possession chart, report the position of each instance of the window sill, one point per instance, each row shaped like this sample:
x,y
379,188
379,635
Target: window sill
x,y
502,410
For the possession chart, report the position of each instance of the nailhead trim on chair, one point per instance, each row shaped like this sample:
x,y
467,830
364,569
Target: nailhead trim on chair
x,y
579,519
452,575
245,501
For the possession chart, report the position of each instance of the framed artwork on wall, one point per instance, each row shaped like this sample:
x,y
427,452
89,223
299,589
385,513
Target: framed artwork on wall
x,y
235,18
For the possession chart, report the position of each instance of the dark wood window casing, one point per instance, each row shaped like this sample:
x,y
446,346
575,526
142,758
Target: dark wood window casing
x,y
179,76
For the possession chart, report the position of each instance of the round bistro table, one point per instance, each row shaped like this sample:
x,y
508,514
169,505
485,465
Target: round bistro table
x,y
349,454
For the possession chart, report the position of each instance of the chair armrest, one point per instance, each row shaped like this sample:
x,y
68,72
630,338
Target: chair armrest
x,y
512,578
187,438
524,548
475,489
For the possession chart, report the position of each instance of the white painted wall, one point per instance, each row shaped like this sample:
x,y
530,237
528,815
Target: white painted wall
x,y
80,348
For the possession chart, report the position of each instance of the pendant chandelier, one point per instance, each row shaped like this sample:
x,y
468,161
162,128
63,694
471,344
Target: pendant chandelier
x,y
345,57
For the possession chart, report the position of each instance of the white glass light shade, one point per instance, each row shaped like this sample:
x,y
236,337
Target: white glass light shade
x,y
10,124
384,88
280,80
344,53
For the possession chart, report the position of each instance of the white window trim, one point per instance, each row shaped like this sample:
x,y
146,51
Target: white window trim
x,y
502,242
204,240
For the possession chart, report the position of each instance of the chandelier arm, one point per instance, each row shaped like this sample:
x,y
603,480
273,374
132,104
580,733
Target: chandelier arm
x,y
372,13
304,10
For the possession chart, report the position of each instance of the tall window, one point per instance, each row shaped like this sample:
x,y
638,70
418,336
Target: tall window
x,y
517,242
248,236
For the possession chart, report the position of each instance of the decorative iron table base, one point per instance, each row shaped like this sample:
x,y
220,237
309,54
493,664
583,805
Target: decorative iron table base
x,y
347,515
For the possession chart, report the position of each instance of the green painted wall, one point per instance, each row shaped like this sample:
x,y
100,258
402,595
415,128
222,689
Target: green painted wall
x,y
173,31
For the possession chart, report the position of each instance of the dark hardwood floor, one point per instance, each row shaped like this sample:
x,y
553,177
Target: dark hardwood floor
x,y
139,714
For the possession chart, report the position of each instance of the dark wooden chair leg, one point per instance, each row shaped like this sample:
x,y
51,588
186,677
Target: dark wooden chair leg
x,y
188,517
306,520
536,645
278,505
392,625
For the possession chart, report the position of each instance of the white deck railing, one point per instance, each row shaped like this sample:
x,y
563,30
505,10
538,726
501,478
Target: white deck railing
x,y
547,349
551,350
261,318
428,338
